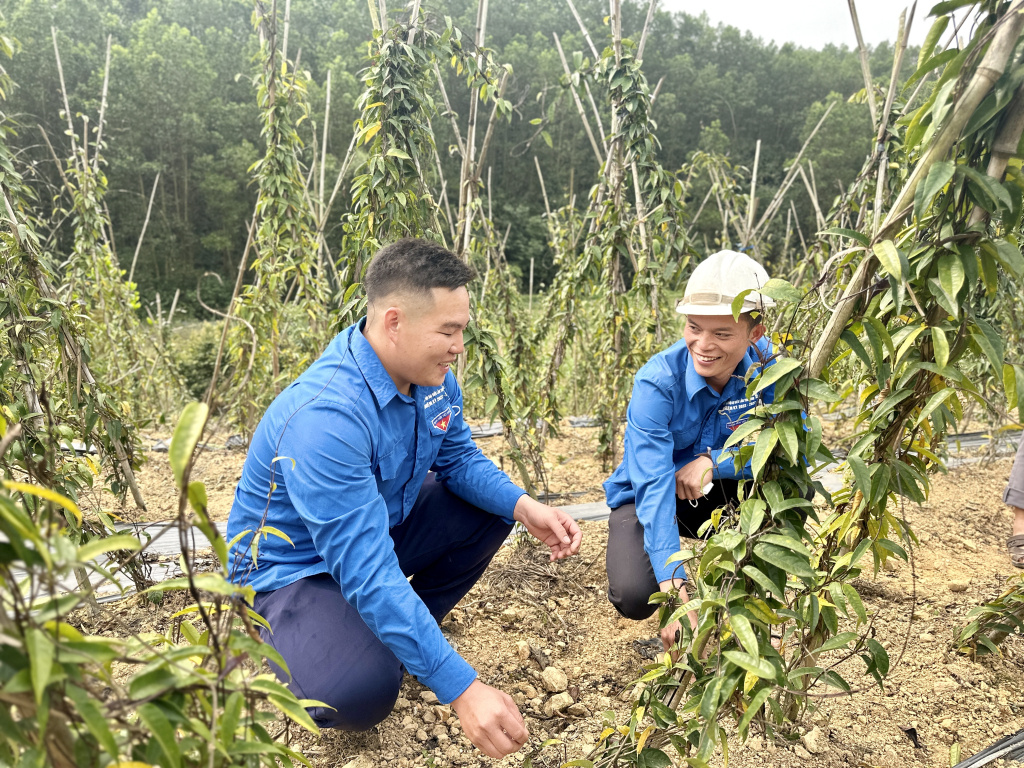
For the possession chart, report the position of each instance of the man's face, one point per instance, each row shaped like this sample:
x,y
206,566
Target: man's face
x,y
717,344
429,337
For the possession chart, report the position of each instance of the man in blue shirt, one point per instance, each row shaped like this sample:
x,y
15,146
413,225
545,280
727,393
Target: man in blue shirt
x,y
377,511
686,401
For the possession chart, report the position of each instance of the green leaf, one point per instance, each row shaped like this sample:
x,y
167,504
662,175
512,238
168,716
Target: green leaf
x,y
290,706
788,438
1020,392
940,345
745,633
96,547
854,343
879,655
839,641
40,655
951,275
753,708
776,371
186,435
94,719
991,343
1008,254
855,602
850,233
653,758
786,559
751,663
737,303
992,189
766,442
861,474
934,402
743,431
932,39
816,389
782,290
939,175
491,402
889,258
767,584
1010,385
157,723
396,152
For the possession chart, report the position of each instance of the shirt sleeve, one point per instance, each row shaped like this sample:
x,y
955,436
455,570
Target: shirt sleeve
x,y
332,486
648,456
464,470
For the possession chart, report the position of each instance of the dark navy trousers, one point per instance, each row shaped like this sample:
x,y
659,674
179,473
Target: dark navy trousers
x,y
445,545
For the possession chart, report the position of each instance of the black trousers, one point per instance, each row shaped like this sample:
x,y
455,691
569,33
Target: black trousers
x,y
445,545
631,580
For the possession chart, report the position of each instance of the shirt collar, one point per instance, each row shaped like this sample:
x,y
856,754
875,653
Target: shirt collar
x,y
377,377
695,382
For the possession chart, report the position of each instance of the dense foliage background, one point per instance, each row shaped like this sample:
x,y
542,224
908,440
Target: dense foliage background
x,y
182,103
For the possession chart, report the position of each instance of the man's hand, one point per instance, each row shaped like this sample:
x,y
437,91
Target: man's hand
x,y
491,720
671,633
691,479
550,525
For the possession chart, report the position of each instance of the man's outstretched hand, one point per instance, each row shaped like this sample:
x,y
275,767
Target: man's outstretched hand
x,y
550,525
491,720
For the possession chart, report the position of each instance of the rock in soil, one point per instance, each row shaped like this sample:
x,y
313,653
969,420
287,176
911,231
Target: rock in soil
x,y
555,680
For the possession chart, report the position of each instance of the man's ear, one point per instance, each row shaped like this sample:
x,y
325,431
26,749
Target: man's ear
x,y
392,322
757,333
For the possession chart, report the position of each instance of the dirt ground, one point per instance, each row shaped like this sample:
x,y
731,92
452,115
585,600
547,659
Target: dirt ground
x,y
562,613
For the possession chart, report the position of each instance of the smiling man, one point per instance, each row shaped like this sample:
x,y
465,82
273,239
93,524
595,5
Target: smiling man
x,y
391,513
686,402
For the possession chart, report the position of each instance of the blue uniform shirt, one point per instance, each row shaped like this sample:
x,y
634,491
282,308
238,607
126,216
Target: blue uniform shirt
x,y
351,454
673,416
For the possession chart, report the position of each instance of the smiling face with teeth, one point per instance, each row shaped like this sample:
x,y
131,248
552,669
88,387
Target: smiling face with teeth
x,y
717,344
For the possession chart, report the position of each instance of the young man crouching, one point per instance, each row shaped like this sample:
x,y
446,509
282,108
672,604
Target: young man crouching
x,y
686,402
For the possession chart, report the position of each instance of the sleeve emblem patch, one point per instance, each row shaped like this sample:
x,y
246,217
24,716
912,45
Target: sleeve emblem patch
x,y
442,420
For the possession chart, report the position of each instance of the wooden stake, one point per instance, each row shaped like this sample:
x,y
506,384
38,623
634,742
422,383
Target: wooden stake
x,y
865,67
103,109
576,99
647,28
543,189
753,194
145,223
583,29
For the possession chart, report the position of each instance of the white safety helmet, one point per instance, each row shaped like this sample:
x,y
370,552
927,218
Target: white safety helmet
x,y
718,280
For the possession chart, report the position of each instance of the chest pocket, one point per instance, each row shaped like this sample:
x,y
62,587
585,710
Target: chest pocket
x,y
388,465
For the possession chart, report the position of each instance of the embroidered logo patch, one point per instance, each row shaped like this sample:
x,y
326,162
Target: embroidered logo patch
x,y
737,411
442,420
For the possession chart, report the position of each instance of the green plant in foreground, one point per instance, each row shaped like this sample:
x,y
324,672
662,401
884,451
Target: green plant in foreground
x,y
779,616
194,695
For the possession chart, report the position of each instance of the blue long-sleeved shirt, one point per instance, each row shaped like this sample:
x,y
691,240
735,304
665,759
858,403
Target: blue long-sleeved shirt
x,y
351,454
673,416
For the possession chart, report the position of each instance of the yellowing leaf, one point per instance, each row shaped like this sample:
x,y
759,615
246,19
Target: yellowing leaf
x,y
45,493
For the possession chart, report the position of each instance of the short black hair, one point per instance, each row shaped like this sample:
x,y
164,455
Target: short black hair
x,y
414,264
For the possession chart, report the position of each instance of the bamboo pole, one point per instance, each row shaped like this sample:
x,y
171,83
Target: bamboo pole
x,y
583,29
103,110
990,69
414,18
323,141
287,28
145,223
753,194
576,99
865,67
64,94
449,112
1004,40
543,189
1003,148
791,173
647,28
490,126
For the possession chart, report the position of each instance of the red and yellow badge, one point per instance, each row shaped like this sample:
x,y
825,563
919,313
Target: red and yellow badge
x,y
442,420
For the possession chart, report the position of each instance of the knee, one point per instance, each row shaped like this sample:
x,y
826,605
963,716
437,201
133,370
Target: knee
x,y
632,601
358,708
